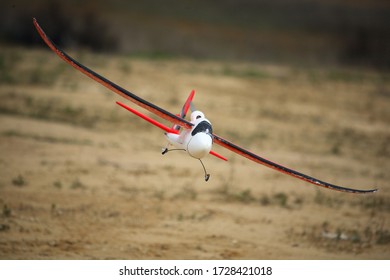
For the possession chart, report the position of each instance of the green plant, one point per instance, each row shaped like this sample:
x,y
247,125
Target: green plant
x,y
281,199
245,196
77,184
6,211
57,184
265,200
19,181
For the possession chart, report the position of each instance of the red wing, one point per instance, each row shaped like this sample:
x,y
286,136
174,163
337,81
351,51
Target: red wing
x,y
110,85
224,143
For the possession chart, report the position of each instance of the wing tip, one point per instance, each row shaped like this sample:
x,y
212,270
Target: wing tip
x,y
368,191
372,190
35,21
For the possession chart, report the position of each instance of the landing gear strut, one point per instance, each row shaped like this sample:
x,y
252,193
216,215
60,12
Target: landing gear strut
x,y
206,175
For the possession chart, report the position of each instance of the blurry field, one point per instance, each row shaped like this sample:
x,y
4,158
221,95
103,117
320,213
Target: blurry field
x,y
80,178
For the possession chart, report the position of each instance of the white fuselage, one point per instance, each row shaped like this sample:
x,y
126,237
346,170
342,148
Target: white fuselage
x,y
198,140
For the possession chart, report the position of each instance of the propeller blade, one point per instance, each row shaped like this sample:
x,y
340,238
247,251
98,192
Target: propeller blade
x,y
192,107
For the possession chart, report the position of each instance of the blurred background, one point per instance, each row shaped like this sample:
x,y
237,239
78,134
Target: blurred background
x,y
352,32
302,83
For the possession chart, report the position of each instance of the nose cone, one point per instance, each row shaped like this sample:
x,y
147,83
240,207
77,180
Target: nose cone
x,y
200,145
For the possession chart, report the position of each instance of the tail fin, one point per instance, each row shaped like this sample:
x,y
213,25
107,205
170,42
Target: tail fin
x,y
184,110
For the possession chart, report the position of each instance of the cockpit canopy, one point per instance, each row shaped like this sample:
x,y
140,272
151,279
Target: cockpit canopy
x,y
196,115
203,126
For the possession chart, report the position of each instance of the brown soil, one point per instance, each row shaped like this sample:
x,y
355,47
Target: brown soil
x,y
81,178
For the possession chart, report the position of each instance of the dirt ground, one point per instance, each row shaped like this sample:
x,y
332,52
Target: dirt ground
x,y
81,178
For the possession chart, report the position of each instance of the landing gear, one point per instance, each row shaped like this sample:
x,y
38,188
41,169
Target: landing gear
x,y
166,150
206,175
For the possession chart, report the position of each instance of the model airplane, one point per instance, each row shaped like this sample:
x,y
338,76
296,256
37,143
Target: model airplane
x,y
196,136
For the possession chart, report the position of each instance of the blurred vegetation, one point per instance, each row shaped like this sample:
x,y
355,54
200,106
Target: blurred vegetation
x,y
69,24
301,31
